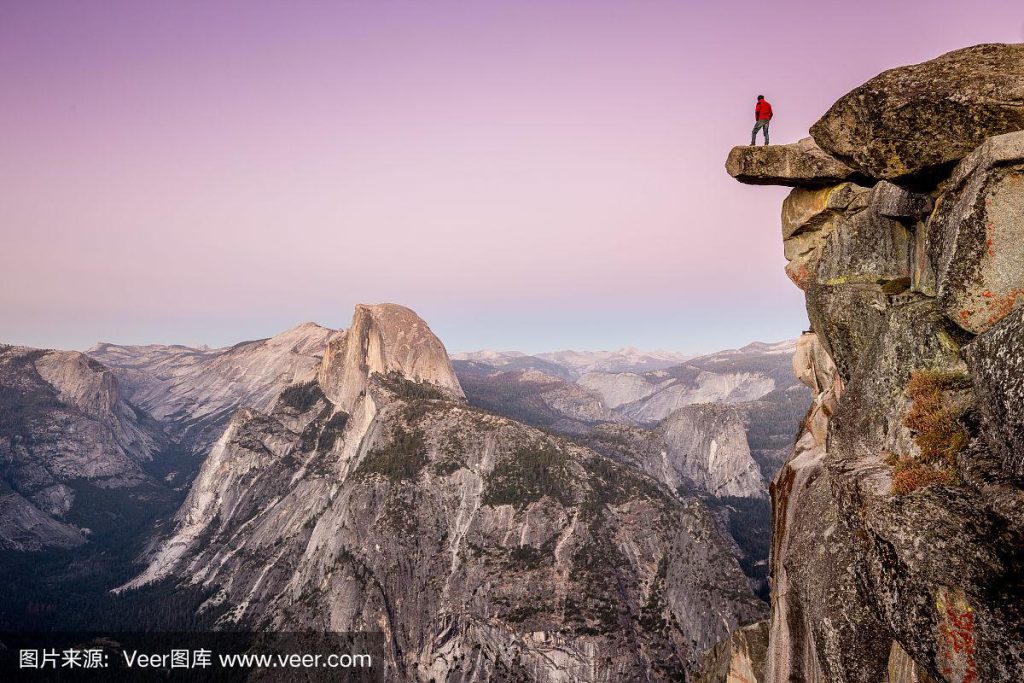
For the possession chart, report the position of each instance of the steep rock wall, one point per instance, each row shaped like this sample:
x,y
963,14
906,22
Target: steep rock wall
x,y
383,339
898,549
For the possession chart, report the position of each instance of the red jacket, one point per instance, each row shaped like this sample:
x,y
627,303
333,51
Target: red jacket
x,y
763,110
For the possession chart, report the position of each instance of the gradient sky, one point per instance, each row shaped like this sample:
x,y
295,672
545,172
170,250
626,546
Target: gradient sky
x,y
530,175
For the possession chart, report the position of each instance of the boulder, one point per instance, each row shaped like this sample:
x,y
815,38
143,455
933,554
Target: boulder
x,y
809,208
800,164
909,121
809,216
851,234
893,201
976,235
996,363
865,248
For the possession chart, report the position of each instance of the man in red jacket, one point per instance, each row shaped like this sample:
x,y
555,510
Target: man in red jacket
x,y
762,116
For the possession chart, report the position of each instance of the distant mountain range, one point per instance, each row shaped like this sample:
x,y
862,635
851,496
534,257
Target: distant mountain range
x,y
574,364
355,479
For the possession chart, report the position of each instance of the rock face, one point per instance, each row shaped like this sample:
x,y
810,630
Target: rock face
x,y
800,478
483,548
705,447
899,517
700,449
740,659
976,237
24,526
800,164
193,391
997,372
919,118
384,339
64,427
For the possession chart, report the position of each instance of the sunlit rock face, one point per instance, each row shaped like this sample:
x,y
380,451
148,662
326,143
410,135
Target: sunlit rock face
x,y
383,339
899,517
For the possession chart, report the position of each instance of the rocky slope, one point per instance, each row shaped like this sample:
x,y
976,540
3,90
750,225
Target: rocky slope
x,y
898,547
534,397
703,451
697,449
723,452
65,429
193,391
373,497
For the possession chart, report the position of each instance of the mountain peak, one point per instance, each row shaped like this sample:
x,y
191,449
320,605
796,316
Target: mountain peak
x,y
305,338
384,338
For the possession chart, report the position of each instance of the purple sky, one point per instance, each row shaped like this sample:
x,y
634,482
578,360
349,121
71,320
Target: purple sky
x,y
528,175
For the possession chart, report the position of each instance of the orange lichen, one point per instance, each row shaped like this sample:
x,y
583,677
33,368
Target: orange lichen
x,y
798,274
956,637
990,307
1001,306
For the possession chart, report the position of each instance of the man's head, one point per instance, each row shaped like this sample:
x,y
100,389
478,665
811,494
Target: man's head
x,y
760,97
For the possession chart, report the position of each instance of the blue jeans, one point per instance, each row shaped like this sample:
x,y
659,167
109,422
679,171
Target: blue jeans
x,y
762,124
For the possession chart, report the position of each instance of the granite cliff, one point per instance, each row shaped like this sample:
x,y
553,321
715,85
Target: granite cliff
x,y
898,546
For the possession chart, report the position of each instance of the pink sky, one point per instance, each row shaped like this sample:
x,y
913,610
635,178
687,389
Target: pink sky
x,y
529,175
